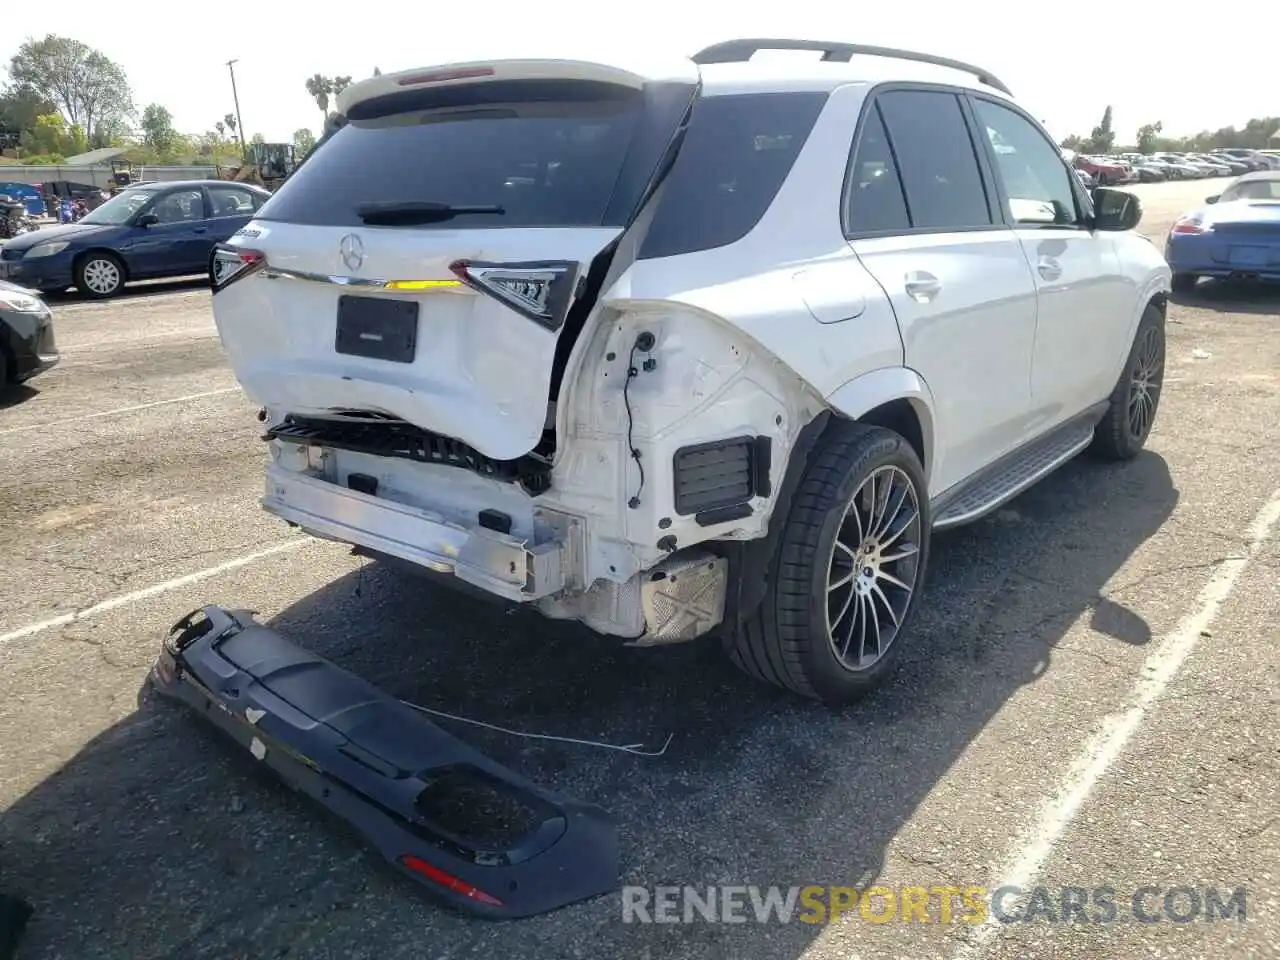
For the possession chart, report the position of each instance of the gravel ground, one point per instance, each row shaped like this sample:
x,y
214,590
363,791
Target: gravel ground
x,y
1089,699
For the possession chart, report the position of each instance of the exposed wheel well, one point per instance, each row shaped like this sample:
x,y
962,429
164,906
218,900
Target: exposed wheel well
x,y
900,417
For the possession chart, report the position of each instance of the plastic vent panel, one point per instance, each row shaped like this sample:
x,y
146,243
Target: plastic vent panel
x,y
720,474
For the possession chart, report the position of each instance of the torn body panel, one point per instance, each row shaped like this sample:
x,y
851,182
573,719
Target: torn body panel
x,y
473,832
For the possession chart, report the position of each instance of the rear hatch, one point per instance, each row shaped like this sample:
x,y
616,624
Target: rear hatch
x,y
433,258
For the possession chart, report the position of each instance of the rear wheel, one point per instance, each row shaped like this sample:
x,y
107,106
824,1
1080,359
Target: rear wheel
x,y
100,275
1123,431
849,568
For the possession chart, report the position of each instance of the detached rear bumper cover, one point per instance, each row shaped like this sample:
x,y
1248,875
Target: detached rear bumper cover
x,y
383,767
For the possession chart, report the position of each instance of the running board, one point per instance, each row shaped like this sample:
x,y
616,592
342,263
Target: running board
x,y
1015,473
476,834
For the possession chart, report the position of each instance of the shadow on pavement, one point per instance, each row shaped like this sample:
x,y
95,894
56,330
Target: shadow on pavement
x,y
161,840
15,394
1233,296
133,291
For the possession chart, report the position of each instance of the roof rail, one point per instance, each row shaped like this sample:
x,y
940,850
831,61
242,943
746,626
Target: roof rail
x,y
740,51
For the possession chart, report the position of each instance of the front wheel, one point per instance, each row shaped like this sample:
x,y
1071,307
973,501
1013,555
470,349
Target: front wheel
x,y
849,568
100,275
1123,431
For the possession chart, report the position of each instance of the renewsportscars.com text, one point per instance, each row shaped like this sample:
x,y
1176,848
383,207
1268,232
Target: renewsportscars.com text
x,y
938,904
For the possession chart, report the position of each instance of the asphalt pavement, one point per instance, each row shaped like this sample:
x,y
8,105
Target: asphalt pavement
x,y
1088,702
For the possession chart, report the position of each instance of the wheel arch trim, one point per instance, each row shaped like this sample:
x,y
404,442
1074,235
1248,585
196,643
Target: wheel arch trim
x,y
859,396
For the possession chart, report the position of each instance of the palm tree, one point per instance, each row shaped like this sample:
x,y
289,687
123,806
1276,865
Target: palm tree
x,y
320,86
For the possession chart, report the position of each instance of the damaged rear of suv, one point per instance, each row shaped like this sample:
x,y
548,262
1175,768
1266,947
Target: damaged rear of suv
x,y
600,340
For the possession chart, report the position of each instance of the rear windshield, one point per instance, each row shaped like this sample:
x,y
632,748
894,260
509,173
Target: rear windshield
x,y
551,163
738,150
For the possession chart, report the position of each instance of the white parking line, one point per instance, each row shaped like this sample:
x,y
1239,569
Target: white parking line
x,y
1117,730
155,589
118,411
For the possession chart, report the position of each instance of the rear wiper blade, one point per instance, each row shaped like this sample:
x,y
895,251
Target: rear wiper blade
x,y
407,213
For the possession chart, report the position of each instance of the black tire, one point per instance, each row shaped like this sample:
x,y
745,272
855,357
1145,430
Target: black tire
x,y
1100,179
786,642
1121,434
1184,282
85,274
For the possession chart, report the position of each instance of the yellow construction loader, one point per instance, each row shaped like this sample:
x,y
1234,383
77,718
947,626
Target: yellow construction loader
x,y
267,166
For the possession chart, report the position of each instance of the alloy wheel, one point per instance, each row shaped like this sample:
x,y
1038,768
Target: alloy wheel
x,y
874,567
101,276
1145,383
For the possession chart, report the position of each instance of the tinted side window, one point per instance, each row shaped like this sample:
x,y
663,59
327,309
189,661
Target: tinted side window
x,y
873,196
233,201
1035,178
935,156
736,153
180,206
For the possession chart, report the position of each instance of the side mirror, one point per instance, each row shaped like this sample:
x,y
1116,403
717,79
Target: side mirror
x,y
1213,199
146,220
1115,210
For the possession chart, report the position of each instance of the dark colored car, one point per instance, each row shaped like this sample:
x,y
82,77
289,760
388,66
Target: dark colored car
x,y
142,233
27,346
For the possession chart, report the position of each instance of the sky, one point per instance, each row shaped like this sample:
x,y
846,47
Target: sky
x,y
1065,62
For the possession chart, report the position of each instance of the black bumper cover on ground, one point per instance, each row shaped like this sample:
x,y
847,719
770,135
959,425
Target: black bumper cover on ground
x,y
470,830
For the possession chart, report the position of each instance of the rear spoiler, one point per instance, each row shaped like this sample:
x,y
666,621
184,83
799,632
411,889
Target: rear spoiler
x,y
642,72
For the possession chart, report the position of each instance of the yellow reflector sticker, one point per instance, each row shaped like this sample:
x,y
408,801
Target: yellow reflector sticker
x,y
423,284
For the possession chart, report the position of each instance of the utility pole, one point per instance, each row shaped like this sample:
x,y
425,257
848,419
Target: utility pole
x,y
244,151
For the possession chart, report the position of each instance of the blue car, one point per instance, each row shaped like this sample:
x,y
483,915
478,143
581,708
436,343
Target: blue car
x,y
143,233
1237,234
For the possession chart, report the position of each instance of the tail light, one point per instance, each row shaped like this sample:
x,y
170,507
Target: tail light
x,y
232,263
448,881
1189,225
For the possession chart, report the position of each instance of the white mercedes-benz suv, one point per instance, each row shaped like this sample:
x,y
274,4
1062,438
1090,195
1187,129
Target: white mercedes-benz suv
x,y
707,345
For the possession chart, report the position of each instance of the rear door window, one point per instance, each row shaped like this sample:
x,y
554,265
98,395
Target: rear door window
x,y
233,201
935,154
874,201
546,163
736,154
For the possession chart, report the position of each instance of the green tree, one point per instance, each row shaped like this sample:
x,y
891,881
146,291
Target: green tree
x,y
19,108
48,134
303,141
1148,136
157,129
257,139
88,88
320,86
1072,142
338,84
1103,137
229,122
221,129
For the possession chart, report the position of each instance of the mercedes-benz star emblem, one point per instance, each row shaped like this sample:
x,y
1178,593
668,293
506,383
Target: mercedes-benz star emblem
x,y
351,249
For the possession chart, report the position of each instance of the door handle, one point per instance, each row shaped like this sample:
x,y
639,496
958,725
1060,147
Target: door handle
x,y
1049,268
922,286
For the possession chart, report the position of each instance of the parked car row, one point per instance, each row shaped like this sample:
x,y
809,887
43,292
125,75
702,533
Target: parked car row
x,y
1155,167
